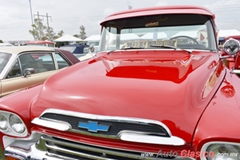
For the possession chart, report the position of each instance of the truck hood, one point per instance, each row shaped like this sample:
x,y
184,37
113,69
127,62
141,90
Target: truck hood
x,y
157,85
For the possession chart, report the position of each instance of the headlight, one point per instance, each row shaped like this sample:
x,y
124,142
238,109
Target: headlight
x,y
12,124
3,122
16,123
222,151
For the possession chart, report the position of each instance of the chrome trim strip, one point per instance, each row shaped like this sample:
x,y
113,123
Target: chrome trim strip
x,y
144,137
131,136
15,156
92,148
41,151
236,71
33,153
87,147
49,123
52,155
7,141
75,153
107,118
91,144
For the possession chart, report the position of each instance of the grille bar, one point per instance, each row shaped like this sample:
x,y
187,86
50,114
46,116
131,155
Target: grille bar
x,y
80,151
74,153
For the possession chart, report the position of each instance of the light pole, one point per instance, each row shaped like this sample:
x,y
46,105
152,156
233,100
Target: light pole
x,y
31,11
31,15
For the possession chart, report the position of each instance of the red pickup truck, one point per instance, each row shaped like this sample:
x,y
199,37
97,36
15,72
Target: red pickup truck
x,y
161,94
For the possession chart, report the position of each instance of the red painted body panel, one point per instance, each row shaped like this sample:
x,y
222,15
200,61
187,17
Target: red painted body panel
x,y
237,37
192,93
181,119
159,10
220,120
40,42
20,103
172,77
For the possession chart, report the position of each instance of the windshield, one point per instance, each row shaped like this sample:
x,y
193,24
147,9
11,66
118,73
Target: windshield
x,y
68,48
81,49
184,31
4,58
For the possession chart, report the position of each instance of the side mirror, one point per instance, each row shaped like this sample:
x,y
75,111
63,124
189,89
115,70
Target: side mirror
x,y
230,54
28,71
91,48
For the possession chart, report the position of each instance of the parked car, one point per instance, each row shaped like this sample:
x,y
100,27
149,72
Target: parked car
x,y
91,53
77,49
26,66
167,96
5,44
41,43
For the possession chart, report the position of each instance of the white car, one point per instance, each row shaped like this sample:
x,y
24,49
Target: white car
x,y
91,53
5,44
86,56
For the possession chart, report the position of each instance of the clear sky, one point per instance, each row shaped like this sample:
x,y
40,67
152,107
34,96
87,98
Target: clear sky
x,y
69,15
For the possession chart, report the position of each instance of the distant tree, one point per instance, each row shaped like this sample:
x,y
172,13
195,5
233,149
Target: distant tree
x,y
50,34
38,29
41,32
60,34
82,33
76,35
1,41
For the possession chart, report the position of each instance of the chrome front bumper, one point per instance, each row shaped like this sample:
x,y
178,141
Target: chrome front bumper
x,y
32,154
45,147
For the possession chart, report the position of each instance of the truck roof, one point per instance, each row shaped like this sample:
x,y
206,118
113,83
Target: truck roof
x,y
233,36
40,42
187,9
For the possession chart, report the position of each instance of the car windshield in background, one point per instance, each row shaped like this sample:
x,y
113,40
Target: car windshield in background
x,y
68,48
181,31
76,49
4,58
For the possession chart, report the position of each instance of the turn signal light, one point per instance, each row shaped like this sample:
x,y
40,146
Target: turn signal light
x,y
12,158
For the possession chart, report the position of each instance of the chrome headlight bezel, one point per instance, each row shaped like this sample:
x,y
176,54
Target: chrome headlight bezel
x,y
9,128
205,149
3,122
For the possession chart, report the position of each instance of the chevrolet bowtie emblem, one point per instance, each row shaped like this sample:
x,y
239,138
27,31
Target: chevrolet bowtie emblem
x,y
93,126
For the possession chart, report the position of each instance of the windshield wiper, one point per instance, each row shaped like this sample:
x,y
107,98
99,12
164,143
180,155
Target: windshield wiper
x,y
170,47
133,48
126,49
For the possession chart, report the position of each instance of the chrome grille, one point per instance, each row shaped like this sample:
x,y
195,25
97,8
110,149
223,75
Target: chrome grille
x,y
130,129
116,125
58,147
